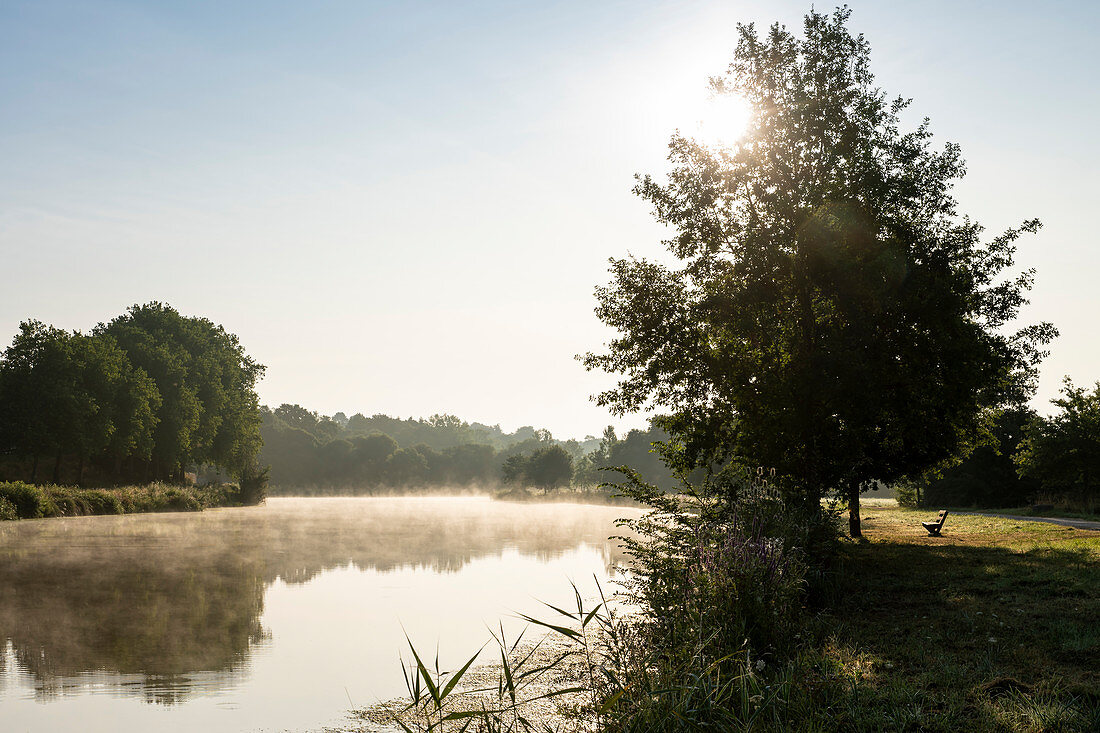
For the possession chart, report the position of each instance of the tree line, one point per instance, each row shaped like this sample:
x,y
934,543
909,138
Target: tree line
x,y
313,453
1024,458
143,397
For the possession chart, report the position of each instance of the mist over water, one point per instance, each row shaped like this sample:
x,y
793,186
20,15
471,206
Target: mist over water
x,y
268,618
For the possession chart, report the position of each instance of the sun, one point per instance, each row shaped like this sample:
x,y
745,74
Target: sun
x,y
723,120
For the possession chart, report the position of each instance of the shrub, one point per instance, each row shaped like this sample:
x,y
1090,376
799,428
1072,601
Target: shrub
x,y
7,510
100,501
253,484
30,501
721,568
179,500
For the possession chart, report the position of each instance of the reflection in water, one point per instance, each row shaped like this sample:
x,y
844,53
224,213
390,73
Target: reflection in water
x,y
171,608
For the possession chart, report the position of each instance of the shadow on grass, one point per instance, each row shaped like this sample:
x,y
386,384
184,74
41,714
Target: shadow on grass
x,y
929,635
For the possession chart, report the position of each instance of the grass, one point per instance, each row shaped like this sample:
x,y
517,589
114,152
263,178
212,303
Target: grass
x,y
1027,511
994,626
27,501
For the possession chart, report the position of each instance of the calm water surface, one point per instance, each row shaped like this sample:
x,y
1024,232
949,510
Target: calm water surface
x,y
269,618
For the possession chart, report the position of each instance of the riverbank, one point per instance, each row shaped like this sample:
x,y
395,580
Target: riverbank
x,y
29,501
587,495
993,626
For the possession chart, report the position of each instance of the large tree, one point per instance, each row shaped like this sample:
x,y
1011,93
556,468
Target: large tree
x,y
831,314
209,411
37,401
65,393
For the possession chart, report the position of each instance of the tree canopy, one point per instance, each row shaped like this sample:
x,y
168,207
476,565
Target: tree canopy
x,y
140,397
831,314
1062,453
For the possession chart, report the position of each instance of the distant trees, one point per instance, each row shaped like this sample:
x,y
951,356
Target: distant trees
x,y
1062,453
440,452
437,431
307,450
635,450
987,476
832,315
550,467
139,398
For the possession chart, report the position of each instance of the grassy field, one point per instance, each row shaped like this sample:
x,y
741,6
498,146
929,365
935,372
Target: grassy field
x,y
993,626
1026,511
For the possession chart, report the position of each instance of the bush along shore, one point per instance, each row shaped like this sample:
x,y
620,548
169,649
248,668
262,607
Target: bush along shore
x,y
722,580
20,500
745,615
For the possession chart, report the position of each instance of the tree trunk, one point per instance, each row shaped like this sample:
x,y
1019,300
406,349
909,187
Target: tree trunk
x,y
80,472
57,469
34,470
853,511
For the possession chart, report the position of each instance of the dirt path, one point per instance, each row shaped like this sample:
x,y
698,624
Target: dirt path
x,y
1075,523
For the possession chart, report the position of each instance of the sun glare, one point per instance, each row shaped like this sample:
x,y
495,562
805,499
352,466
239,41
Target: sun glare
x,y
723,120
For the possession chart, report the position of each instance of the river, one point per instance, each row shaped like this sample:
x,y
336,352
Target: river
x,y
272,618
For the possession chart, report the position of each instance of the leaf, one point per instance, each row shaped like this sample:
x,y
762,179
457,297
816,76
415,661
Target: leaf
x,y
425,674
458,675
610,702
590,615
560,629
511,685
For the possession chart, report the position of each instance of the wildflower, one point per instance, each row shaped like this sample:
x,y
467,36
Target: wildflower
x,y
992,640
760,665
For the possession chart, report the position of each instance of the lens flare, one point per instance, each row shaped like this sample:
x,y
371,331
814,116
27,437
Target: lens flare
x,y
724,120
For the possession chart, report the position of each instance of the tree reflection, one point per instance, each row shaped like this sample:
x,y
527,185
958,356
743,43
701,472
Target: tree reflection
x,y
164,606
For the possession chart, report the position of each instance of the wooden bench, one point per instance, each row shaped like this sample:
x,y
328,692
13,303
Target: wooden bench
x,y
935,527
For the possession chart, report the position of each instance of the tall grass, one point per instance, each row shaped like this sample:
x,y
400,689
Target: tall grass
x,y
20,500
719,579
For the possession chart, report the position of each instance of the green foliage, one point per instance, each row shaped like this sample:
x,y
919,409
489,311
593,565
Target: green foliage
x,y
28,501
8,510
311,453
253,484
140,397
635,449
548,467
727,542
1062,453
986,476
832,315
209,411
525,679
718,585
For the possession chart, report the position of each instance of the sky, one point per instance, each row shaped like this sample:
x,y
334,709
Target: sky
x,y
405,207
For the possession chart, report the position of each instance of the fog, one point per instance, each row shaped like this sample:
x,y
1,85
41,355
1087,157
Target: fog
x,y
163,607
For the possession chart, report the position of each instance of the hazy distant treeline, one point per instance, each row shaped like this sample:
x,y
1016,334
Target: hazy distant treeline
x,y
140,398
312,453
